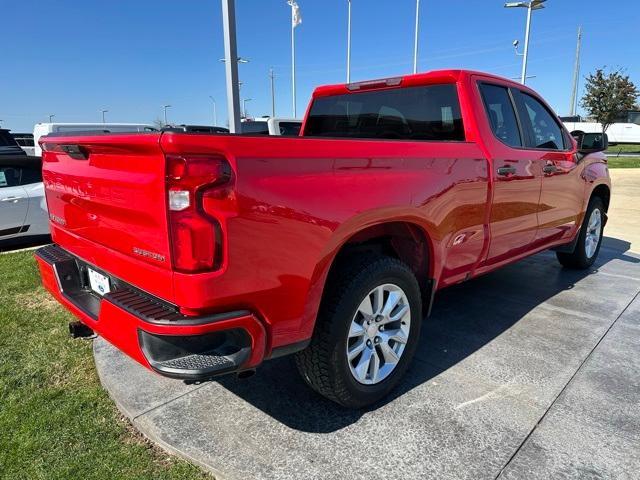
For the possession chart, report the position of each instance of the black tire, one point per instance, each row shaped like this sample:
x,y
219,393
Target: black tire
x,y
578,259
323,364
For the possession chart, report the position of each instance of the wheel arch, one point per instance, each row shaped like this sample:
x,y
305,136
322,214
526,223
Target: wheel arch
x,y
402,237
604,192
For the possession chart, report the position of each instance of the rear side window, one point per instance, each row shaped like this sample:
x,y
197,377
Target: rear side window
x,y
502,116
413,113
547,134
9,177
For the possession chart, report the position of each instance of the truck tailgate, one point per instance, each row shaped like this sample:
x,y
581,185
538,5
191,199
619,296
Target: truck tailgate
x,y
109,190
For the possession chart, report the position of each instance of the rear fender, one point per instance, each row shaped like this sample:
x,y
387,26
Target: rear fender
x,y
345,232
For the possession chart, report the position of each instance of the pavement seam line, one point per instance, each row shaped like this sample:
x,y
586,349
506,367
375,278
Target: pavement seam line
x,y
168,401
636,296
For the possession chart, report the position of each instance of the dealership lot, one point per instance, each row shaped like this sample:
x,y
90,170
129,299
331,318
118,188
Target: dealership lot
x,y
529,372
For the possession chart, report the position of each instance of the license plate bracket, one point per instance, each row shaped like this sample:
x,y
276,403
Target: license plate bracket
x,y
98,282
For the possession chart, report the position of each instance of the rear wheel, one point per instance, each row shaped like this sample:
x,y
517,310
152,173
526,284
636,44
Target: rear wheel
x,y
367,331
589,238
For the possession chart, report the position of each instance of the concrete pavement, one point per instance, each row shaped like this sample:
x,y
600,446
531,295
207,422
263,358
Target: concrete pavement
x,y
624,212
528,372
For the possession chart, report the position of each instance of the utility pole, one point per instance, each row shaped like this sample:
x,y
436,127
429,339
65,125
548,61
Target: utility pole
x,y
349,42
415,40
576,74
231,64
165,114
272,78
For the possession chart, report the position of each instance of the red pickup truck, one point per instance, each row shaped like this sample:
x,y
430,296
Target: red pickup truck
x,y
203,254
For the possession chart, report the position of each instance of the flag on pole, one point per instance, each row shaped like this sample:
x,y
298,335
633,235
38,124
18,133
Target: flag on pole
x,y
296,16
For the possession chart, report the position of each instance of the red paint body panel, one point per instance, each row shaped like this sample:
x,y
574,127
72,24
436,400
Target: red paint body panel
x,y
294,202
120,327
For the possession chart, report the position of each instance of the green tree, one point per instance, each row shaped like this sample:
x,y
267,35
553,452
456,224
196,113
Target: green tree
x,y
608,95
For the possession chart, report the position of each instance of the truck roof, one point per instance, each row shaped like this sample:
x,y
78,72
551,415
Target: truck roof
x,y
434,76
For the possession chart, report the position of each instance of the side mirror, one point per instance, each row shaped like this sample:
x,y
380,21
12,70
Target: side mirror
x,y
591,142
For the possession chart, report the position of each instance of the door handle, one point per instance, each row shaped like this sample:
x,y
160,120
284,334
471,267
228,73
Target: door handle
x,y
506,171
11,199
549,169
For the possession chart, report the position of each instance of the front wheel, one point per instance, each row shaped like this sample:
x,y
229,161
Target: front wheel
x,y
589,238
367,331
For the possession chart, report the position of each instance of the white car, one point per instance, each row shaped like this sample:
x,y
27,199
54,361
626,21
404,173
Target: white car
x,y
272,126
625,130
42,129
23,209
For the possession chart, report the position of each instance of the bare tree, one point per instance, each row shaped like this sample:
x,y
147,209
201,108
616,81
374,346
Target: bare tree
x,y
608,95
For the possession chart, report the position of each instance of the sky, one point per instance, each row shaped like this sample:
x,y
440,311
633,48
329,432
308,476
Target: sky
x,y
76,58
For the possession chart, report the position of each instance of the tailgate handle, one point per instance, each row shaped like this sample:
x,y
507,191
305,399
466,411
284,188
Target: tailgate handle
x,y
76,152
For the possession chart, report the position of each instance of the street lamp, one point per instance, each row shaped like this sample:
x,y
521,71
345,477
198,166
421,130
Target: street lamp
x,y
215,113
530,6
103,112
165,113
244,106
51,117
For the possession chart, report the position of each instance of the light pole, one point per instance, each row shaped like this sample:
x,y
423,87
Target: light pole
x,y
244,106
272,78
103,112
165,114
415,40
349,42
215,112
51,117
530,6
231,64
296,19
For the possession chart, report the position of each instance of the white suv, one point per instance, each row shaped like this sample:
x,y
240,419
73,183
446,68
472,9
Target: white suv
x,y
23,209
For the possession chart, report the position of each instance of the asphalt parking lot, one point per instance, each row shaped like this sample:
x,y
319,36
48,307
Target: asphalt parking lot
x,y
532,371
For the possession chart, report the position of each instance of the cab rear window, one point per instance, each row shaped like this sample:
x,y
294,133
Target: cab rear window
x,y
414,113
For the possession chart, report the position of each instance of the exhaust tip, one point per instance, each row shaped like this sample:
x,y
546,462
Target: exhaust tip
x,y
246,373
80,330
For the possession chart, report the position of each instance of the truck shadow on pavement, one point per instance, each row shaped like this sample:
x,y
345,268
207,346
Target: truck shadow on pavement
x,y
465,318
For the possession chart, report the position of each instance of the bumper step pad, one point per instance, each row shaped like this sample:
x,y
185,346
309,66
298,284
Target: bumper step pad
x,y
211,362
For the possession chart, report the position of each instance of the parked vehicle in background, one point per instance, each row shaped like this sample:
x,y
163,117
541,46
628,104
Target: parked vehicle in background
x,y
199,255
195,129
272,126
42,129
626,128
23,209
25,140
8,145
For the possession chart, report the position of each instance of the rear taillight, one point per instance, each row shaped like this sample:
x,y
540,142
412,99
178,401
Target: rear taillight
x,y
196,234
